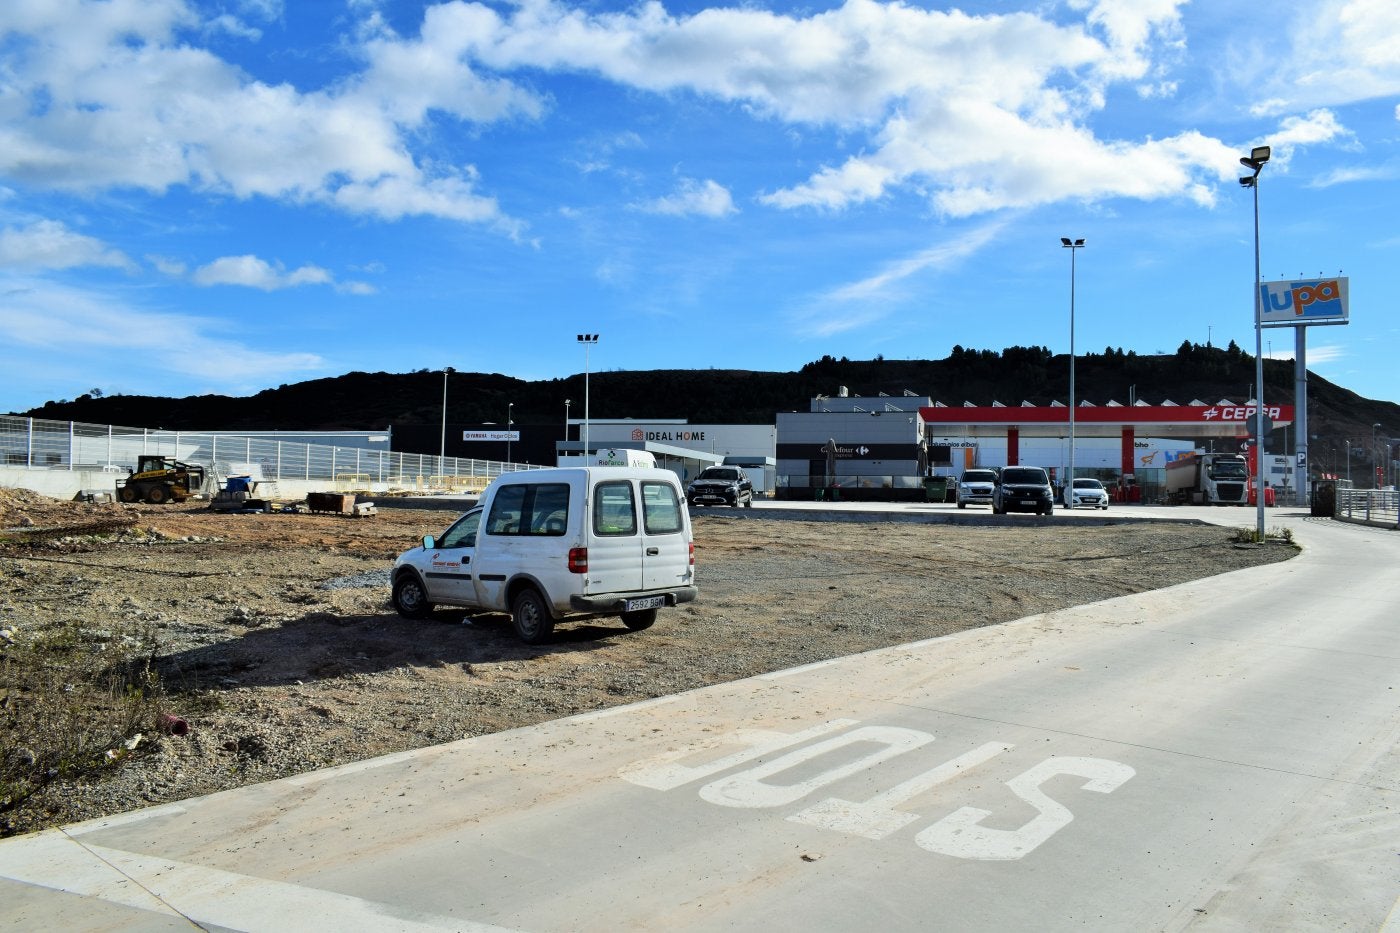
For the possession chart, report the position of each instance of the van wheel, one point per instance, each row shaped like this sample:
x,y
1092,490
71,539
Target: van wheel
x,y
533,621
410,601
642,618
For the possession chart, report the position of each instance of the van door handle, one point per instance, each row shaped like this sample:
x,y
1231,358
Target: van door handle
x,y
653,551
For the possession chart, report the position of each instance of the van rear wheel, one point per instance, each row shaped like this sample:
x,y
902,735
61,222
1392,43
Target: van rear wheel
x,y
640,619
534,623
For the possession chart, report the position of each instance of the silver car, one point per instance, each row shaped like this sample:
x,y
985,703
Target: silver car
x,y
975,487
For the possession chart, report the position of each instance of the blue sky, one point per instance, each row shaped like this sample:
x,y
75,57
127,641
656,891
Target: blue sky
x,y
224,197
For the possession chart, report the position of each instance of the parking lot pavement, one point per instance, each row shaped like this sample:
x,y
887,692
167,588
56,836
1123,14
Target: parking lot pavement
x,y
1220,754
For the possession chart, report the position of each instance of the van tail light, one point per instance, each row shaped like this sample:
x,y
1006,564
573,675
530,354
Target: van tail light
x,y
578,560
692,553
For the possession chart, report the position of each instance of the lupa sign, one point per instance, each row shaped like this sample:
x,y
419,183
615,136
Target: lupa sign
x,y
1303,301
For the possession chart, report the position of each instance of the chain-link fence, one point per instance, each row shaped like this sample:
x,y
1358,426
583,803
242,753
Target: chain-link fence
x,y
35,443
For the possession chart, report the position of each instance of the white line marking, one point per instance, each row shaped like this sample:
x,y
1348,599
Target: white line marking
x,y
206,896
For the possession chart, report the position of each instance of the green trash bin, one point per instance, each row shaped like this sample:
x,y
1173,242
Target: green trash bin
x,y
935,488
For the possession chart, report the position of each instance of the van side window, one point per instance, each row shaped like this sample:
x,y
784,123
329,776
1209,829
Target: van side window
x,y
661,508
614,512
529,509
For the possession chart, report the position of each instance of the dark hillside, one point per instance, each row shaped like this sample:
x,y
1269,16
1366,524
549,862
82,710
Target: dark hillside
x,y
370,401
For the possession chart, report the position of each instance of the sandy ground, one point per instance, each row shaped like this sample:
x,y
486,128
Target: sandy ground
x,y
276,642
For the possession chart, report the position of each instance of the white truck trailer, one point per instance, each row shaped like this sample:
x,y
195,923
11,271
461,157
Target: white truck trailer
x,y
1208,479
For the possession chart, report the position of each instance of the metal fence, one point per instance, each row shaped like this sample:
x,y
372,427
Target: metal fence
x,y
1372,506
67,445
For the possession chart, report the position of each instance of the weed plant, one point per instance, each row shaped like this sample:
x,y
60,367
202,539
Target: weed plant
x,y
72,696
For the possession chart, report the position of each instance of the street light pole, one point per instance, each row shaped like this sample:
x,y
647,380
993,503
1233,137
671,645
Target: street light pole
x,y
510,406
1073,246
567,403
588,340
442,442
1255,160
1375,459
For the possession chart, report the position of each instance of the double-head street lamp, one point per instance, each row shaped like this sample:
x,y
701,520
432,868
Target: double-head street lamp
x,y
1073,246
588,340
1255,160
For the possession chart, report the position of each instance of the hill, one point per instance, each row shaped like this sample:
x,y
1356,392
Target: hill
x,y
372,401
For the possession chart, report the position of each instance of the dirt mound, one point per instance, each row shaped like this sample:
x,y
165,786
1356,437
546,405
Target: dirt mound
x,y
24,508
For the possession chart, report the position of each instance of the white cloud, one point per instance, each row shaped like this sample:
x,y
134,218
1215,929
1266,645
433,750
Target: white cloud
x,y
706,199
167,266
1335,52
115,95
939,256
72,326
863,302
49,244
981,112
1318,356
253,272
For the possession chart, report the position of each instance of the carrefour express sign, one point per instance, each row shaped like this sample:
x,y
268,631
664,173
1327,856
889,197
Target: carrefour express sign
x,y
1303,301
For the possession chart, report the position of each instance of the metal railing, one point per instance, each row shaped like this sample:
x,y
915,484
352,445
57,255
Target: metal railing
x,y
1372,506
35,443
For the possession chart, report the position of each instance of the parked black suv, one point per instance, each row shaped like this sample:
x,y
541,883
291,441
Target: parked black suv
x,y
1023,489
722,485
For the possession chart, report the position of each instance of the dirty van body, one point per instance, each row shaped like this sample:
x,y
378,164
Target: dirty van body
x,y
548,545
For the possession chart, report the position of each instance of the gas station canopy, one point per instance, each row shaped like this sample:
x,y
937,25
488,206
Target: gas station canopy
x,y
1223,419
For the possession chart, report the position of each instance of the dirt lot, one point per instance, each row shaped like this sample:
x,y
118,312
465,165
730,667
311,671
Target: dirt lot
x,y
271,635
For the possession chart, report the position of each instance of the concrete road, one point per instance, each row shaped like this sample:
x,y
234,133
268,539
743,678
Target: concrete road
x,y
1220,755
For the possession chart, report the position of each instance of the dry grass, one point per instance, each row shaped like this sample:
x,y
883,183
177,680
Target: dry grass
x,y
73,701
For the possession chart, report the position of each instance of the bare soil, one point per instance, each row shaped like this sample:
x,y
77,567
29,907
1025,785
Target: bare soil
x,y
275,641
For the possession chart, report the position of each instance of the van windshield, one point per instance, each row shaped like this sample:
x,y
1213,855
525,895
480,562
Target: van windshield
x,y
1028,476
978,476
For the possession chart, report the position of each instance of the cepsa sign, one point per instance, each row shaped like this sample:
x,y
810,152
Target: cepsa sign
x,y
1309,301
1240,413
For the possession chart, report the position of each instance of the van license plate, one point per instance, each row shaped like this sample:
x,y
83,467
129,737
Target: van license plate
x,y
650,602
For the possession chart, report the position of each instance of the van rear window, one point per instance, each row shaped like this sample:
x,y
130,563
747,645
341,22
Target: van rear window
x,y
661,508
614,512
530,509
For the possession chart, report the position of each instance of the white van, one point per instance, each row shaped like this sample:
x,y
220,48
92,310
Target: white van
x,y
547,544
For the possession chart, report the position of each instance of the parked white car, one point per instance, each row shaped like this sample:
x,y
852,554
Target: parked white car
x,y
1089,493
544,545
